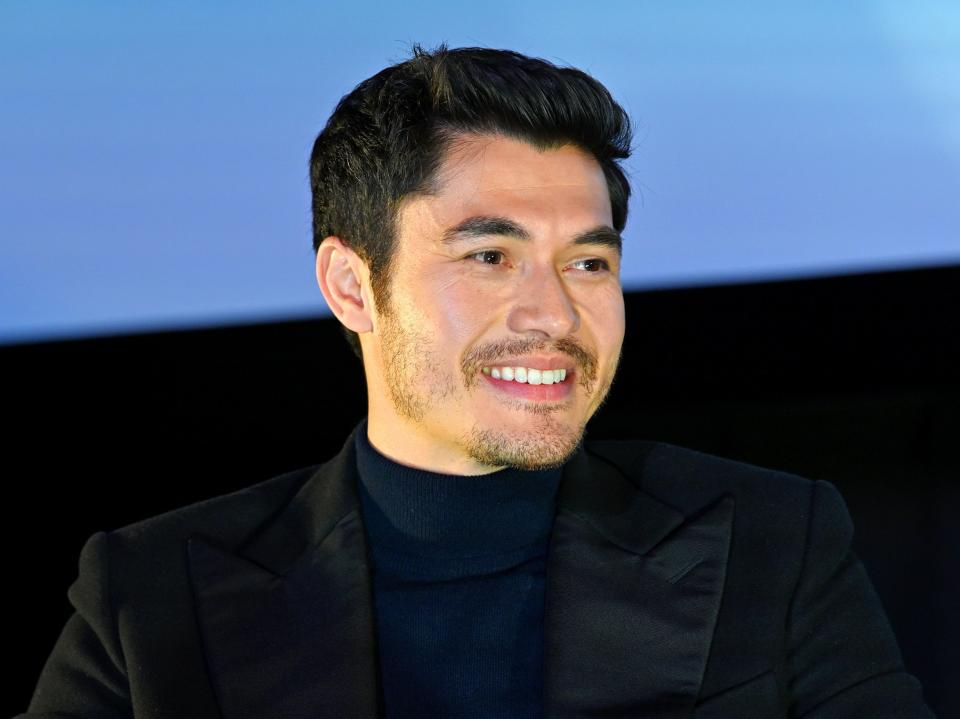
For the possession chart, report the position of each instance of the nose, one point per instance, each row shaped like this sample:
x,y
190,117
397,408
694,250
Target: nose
x,y
543,306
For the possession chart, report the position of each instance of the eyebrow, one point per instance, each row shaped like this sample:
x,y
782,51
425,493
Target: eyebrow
x,y
486,225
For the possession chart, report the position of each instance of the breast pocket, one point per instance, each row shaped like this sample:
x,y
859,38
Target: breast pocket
x,y
755,698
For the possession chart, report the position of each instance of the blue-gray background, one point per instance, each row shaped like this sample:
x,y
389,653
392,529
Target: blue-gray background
x,y
153,157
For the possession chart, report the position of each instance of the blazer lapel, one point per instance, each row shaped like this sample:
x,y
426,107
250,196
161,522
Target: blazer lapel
x,y
287,621
633,593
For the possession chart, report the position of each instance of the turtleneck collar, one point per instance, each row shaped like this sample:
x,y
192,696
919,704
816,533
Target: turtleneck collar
x,y
443,516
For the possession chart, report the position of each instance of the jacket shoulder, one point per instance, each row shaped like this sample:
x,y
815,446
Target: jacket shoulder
x,y
228,518
687,479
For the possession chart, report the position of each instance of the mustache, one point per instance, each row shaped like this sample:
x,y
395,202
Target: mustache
x,y
586,361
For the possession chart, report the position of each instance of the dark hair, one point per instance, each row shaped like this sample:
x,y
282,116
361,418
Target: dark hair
x,y
387,139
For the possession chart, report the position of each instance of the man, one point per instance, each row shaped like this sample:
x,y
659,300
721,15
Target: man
x,y
466,554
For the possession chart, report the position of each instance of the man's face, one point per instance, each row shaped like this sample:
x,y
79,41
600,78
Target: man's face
x,y
510,269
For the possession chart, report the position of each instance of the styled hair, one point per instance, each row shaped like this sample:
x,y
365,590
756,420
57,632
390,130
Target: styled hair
x,y
387,138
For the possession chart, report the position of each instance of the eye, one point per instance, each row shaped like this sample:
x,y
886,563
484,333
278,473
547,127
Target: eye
x,y
488,257
594,264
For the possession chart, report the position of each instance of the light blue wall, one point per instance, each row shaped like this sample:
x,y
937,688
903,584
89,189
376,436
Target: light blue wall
x,y
153,157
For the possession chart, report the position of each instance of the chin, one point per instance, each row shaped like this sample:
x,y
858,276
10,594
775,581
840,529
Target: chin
x,y
547,448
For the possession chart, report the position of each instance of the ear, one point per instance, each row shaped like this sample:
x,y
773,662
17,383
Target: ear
x,y
344,282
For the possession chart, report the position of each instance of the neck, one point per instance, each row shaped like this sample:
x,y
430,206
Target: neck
x,y
434,515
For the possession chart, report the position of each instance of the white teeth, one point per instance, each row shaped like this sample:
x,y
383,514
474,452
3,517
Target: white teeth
x,y
526,375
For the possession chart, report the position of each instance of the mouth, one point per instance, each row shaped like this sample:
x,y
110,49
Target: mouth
x,y
528,375
532,383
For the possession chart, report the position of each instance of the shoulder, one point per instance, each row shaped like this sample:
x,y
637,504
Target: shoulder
x,y
678,471
145,564
229,519
769,500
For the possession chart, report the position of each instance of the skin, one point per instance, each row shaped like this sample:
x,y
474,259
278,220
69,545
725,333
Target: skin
x,y
455,307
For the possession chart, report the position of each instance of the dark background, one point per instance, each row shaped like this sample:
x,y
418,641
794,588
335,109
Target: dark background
x,y
852,379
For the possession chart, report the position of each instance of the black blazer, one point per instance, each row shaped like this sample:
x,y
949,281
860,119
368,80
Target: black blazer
x,y
678,585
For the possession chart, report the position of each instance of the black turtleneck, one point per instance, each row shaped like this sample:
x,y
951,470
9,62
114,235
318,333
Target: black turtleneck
x,y
459,567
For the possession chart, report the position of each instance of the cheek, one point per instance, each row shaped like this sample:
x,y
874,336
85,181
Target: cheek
x,y
462,313
604,317
456,305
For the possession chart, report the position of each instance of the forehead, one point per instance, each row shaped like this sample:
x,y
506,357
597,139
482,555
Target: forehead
x,y
561,190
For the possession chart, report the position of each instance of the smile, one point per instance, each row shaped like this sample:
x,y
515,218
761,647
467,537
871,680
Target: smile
x,y
526,375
